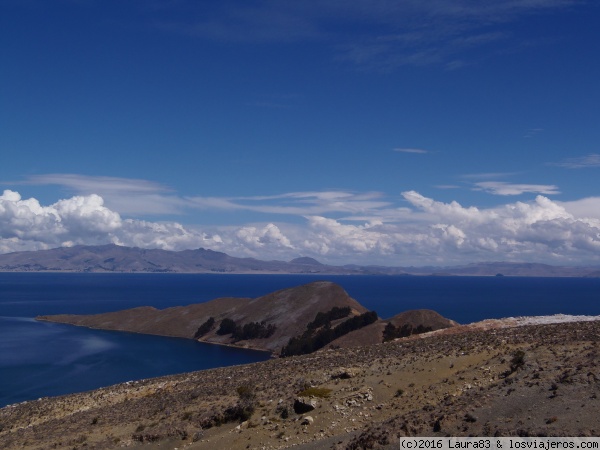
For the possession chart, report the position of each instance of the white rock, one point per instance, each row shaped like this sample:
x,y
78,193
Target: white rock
x,y
307,420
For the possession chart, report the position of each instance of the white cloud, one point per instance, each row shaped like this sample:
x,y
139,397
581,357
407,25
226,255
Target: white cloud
x,y
125,195
75,219
136,197
298,203
542,230
449,233
487,175
586,207
425,232
504,188
591,160
97,184
411,150
25,224
87,215
453,211
142,197
257,238
164,235
330,236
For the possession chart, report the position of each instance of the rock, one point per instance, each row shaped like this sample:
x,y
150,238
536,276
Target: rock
x,y
303,405
470,418
344,374
197,436
307,420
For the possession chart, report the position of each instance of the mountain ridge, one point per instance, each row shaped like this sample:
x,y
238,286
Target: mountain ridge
x,y
113,258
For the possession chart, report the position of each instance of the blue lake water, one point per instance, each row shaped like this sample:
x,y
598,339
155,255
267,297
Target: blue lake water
x,y
41,359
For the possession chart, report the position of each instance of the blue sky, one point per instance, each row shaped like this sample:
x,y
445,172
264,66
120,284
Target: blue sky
x,y
365,132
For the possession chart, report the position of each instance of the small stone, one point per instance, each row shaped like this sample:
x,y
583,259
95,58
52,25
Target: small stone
x,y
307,420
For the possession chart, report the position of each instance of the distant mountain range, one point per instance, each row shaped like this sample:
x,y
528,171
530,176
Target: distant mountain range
x,y
114,258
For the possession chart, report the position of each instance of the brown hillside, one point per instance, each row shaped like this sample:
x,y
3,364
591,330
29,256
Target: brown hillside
x,y
290,310
179,321
373,334
424,317
534,380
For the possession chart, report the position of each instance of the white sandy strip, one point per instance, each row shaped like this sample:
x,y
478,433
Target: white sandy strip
x,y
556,318
530,320
508,322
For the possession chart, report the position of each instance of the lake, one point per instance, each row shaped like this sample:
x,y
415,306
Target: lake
x,y
42,359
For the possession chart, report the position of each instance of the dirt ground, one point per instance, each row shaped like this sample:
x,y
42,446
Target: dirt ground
x,y
536,380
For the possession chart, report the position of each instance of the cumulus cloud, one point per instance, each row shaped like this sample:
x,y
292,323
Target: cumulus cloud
x,y
331,236
28,220
447,233
585,207
27,225
540,230
427,231
256,238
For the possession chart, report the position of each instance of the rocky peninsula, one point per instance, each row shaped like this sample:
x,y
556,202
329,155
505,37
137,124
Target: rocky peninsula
x,y
264,323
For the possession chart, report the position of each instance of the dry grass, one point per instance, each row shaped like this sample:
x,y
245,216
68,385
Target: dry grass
x,y
315,392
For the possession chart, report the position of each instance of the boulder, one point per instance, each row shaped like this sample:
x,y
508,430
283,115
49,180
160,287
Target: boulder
x,y
344,374
303,405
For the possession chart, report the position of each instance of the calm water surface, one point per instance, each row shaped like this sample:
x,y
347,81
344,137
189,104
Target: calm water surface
x,y
40,359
